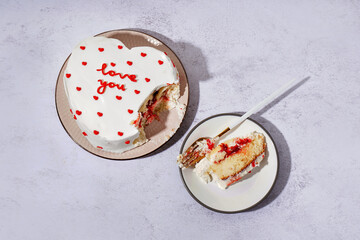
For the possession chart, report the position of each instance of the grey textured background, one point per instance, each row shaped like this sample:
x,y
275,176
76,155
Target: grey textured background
x,y
235,53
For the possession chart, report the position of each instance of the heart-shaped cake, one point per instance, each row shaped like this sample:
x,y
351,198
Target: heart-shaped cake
x,y
114,92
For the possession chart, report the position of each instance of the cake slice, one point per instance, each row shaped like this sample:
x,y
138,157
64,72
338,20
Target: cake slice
x,y
232,159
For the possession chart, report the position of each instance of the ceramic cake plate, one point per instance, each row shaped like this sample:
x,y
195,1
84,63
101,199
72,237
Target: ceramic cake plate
x,y
158,132
246,193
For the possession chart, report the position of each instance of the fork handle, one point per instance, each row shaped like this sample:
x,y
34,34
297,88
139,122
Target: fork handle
x,y
262,104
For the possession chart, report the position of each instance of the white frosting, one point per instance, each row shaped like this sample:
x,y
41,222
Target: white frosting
x,y
114,124
202,170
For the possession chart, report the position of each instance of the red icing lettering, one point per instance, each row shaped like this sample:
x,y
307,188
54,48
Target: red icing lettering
x,y
112,73
104,84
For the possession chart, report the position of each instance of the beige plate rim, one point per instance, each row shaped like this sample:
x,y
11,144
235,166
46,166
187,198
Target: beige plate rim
x,y
179,66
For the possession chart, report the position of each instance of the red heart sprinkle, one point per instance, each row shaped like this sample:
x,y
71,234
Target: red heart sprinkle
x,y
118,97
120,47
99,114
137,91
120,133
160,62
147,79
84,63
68,75
130,111
82,47
84,133
78,88
143,54
129,63
75,117
101,49
96,132
173,63
96,97
112,64
71,111
165,53
78,112
99,147
127,142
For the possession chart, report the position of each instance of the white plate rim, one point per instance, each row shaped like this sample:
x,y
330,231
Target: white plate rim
x,y
219,210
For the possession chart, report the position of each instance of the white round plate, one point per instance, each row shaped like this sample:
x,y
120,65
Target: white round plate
x,y
244,194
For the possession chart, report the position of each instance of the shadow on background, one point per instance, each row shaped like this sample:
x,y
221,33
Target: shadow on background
x,y
196,69
284,161
281,145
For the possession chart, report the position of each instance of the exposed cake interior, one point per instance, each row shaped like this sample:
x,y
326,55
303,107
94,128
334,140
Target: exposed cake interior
x,y
235,155
232,159
163,99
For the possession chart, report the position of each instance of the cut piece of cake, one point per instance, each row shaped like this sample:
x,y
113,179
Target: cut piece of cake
x,y
195,152
231,160
114,92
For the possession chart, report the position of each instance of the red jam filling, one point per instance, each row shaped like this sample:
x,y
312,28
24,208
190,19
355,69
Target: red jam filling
x,y
150,114
210,144
235,179
233,149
